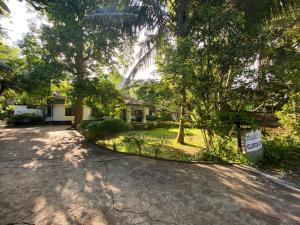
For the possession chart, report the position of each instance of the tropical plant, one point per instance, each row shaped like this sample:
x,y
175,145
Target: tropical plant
x,y
80,51
174,19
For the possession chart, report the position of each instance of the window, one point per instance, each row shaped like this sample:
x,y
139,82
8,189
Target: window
x,y
31,107
49,111
69,111
151,112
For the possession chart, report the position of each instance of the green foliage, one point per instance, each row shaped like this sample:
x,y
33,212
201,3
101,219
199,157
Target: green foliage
x,y
157,145
84,124
290,114
97,113
135,140
281,153
155,93
102,96
96,130
26,119
34,76
149,125
223,151
82,52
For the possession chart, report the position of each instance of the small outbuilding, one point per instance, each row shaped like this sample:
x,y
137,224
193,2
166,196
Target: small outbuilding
x,y
136,110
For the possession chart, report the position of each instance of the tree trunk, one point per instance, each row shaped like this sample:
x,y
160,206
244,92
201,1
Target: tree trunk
x,y
239,138
180,135
78,111
79,91
180,11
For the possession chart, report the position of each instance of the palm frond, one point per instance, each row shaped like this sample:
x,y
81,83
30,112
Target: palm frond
x,y
141,64
146,45
3,7
110,15
259,11
4,67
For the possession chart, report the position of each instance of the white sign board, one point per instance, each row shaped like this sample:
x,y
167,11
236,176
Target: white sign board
x,y
253,140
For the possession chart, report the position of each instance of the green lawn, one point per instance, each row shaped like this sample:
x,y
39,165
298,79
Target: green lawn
x,y
168,147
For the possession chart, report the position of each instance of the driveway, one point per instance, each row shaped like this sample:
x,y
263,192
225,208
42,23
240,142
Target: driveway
x,y
50,175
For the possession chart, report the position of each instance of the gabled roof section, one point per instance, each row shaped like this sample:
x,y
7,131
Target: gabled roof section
x,y
135,102
57,98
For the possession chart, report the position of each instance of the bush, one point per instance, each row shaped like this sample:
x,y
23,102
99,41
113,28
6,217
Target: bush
x,y
102,129
84,124
152,118
149,125
167,124
281,153
165,116
137,126
26,119
135,140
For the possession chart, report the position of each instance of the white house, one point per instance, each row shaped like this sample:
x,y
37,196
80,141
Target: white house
x,y
55,111
136,110
35,109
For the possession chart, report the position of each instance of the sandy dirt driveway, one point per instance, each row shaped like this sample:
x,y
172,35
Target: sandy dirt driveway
x,y
51,175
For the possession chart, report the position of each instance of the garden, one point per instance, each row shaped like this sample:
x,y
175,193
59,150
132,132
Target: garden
x,y
154,139
216,65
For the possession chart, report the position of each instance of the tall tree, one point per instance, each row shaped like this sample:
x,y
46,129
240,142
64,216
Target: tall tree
x,y
78,49
173,17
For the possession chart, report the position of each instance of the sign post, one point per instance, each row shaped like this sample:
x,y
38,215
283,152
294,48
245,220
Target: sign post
x,y
253,143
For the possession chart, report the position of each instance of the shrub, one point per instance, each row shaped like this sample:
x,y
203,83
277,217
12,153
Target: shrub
x,y
165,116
26,119
157,145
152,118
281,153
167,124
97,113
102,129
84,124
150,125
137,126
135,140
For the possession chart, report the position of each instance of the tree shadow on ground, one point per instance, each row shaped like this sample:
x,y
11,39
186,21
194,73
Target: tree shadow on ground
x,y
62,179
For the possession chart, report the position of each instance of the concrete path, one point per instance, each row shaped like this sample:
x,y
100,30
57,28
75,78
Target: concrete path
x,y
50,175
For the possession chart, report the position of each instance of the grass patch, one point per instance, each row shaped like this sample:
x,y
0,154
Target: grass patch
x,y
162,140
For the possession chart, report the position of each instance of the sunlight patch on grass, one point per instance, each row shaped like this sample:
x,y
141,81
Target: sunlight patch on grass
x,y
170,149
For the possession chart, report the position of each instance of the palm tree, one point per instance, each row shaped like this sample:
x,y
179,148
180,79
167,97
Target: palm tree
x,y
172,17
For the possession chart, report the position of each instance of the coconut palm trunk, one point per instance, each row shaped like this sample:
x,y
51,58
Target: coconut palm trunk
x,y
180,12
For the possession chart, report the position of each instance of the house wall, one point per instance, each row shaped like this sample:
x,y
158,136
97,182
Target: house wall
x,y
59,113
22,109
131,112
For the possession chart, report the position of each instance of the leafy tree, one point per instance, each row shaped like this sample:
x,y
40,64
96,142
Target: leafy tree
x,y
35,75
8,60
78,49
156,93
174,18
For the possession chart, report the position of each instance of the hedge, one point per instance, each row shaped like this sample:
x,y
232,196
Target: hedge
x,y
153,124
26,119
103,129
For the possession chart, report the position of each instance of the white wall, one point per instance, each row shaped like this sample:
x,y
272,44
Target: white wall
x,y
59,113
87,113
131,111
22,109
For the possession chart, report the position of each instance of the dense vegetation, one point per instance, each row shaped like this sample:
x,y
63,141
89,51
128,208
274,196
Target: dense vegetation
x,y
26,119
217,61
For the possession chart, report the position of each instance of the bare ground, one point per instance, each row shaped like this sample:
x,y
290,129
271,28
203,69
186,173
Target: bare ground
x,y
50,175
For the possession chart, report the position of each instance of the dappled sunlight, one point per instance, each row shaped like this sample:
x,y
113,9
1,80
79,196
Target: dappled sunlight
x,y
68,181
32,165
165,138
249,192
